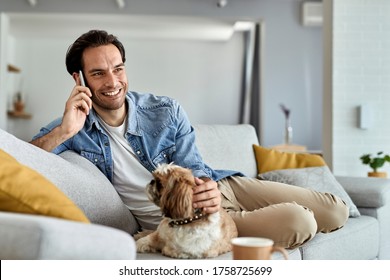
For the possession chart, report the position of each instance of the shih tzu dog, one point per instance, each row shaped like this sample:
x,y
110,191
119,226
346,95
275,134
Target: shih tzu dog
x,y
184,232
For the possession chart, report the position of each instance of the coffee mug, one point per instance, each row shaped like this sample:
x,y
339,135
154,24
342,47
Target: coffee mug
x,y
255,248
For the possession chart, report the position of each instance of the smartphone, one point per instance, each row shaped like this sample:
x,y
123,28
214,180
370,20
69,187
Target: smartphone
x,y
82,81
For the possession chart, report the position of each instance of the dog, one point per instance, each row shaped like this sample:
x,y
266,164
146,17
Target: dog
x,y
184,232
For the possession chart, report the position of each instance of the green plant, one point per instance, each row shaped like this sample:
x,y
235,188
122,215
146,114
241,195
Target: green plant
x,y
375,162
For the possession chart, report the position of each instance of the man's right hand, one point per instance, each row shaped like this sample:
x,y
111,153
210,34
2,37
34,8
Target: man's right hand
x,y
76,110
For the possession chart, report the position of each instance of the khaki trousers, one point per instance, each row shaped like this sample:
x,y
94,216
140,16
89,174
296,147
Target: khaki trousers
x,y
288,215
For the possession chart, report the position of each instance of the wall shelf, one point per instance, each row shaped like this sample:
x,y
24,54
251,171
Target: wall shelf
x,y
19,115
13,68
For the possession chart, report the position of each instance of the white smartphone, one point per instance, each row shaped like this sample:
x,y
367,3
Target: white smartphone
x,y
82,81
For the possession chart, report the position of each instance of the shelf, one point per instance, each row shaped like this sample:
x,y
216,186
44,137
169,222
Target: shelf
x,y
19,115
290,148
13,68
293,148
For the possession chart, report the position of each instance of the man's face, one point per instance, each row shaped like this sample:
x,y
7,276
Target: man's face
x,y
105,75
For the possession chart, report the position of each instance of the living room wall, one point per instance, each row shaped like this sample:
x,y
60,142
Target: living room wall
x,y
358,71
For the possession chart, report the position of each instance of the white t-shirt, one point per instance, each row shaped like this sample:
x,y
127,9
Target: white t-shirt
x,y
131,177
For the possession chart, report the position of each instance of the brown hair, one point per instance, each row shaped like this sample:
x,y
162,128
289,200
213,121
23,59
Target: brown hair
x,y
91,39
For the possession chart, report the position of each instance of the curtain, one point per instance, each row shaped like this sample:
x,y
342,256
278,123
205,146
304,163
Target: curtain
x,y
250,112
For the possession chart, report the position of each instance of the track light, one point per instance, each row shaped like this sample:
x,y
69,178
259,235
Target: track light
x,y
222,3
121,3
32,2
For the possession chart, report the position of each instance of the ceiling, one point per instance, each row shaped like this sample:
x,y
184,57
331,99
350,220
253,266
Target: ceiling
x,y
182,7
134,26
187,19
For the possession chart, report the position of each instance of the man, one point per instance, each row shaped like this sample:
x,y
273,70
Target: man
x,y
127,134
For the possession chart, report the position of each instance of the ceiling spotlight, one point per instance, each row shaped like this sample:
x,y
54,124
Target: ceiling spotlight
x,y
121,3
222,3
32,2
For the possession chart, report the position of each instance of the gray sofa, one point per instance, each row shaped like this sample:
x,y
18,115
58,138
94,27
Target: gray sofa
x,y
26,236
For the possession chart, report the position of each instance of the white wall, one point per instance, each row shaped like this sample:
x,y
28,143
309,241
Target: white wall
x,y
361,75
205,77
4,26
198,73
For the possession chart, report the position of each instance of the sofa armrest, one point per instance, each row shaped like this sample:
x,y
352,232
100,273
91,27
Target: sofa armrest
x,y
32,237
366,191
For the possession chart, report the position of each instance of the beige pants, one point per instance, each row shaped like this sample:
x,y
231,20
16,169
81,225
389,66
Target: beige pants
x,y
287,214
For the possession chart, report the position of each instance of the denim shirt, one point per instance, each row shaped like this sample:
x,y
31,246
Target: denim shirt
x,y
158,130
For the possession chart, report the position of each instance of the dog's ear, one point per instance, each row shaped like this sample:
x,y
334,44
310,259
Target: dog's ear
x,y
176,200
154,190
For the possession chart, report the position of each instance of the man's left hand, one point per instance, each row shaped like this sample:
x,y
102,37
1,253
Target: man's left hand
x,y
207,195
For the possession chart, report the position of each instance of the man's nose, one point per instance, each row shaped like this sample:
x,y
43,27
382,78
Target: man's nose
x,y
110,80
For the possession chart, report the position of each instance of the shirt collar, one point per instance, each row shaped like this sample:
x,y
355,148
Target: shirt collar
x,y
132,120
133,126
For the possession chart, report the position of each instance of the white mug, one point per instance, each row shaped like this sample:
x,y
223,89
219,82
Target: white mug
x,y
255,248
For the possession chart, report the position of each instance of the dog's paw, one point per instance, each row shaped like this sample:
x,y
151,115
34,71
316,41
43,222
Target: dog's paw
x,y
144,245
141,234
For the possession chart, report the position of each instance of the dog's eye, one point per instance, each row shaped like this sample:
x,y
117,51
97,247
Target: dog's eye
x,y
159,186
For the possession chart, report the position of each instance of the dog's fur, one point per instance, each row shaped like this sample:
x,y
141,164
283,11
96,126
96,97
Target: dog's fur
x,y
209,236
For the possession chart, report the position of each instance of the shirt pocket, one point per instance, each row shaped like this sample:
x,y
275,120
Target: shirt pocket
x,y
165,156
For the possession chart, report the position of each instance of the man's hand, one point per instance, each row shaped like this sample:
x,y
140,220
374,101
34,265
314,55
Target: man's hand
x,y
76,110
207,195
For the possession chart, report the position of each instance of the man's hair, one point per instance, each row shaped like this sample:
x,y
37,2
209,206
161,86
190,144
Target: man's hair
x,y
91,39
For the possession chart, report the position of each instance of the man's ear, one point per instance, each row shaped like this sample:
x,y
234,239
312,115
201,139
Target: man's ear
x,y
76,78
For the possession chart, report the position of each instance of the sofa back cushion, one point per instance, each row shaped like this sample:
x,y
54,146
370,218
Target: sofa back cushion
x,y
77,178
228,147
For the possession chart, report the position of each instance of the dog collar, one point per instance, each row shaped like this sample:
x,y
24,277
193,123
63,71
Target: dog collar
x,y
197,216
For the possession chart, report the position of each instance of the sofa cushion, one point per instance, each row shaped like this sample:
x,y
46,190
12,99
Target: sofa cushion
x,y
300,169
77,178
33,237
24,190
271,159
359,239
94,191
228,147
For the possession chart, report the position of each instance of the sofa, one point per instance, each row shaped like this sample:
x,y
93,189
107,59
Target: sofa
x,y
109,233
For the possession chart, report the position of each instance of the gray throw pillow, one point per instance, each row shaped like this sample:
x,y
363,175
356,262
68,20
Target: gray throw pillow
x,y
316,178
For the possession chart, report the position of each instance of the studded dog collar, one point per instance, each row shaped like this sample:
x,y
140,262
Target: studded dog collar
x,y
198,214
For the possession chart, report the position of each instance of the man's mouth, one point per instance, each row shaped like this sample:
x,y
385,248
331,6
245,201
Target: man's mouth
x,y
111,93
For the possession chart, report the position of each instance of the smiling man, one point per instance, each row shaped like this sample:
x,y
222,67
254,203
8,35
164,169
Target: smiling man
x,y
125,134
128,134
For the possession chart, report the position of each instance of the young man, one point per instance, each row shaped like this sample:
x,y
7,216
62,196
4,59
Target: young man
x,y
127,134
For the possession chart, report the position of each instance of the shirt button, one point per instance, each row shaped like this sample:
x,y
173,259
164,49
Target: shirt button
x,y
138,152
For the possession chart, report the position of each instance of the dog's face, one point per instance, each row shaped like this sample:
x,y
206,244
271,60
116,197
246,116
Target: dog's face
x,y
172,190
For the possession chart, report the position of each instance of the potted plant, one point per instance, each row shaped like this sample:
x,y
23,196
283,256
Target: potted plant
x,y
375,162
18,103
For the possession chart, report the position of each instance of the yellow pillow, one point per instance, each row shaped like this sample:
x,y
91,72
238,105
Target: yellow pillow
x,y
24,190
271,159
